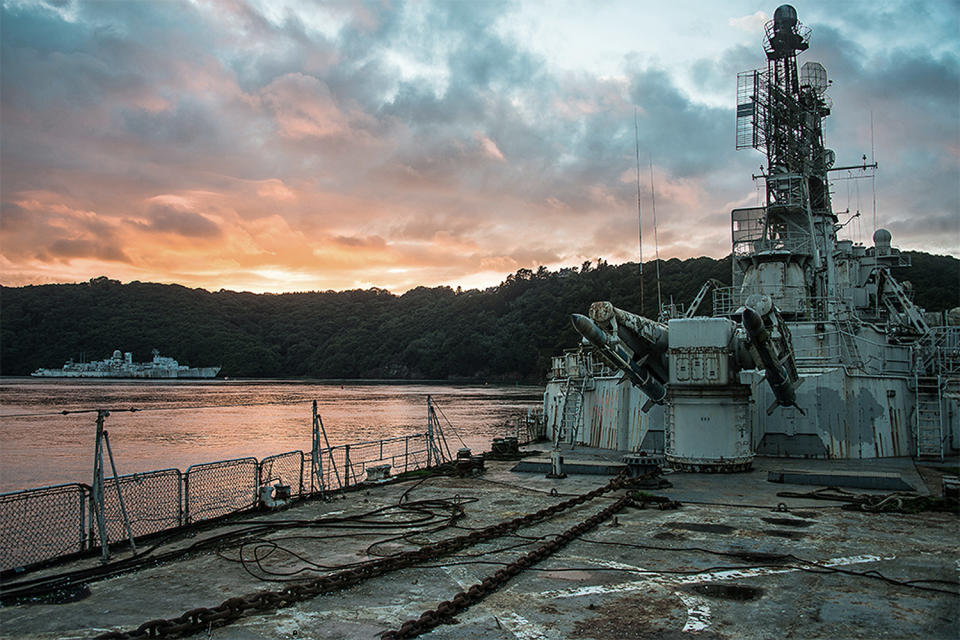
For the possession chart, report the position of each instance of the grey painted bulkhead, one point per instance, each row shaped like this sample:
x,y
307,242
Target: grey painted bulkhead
x,y
847,416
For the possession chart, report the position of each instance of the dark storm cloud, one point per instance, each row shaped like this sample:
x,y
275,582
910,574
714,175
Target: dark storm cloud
x,y
13,217
913,96
691,139
80,248
167,219
717,74
189,123
425,123
937,20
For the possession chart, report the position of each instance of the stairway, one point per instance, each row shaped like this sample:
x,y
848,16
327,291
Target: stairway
x,y
850,351
928,422
899,304
572,410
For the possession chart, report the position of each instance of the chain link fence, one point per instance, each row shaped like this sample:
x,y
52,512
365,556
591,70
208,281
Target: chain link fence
x,y
346,465
50,522
215,489
41,524
153,501
285,468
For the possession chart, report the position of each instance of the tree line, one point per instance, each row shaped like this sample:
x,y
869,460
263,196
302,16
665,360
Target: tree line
x,y
507,332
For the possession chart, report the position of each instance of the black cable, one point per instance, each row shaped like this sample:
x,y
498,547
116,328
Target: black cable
x,y
746,555
765,507
819,570
367,520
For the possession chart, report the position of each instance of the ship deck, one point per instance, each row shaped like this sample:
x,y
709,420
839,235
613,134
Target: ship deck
x,y
726,563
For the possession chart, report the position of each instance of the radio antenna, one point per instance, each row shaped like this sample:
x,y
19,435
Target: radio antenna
x,y
636,138
656,239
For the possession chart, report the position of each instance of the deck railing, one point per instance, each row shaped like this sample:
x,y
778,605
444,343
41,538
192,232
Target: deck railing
x,y
49,523
46,523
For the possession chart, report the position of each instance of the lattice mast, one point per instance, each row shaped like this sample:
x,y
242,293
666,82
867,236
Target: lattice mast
x,y
780,112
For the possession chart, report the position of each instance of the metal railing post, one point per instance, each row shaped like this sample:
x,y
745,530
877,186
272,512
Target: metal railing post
x,y
316,463
186,496
97,488
116,482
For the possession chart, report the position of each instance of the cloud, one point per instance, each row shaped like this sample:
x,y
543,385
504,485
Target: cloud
x,y
489,147
13,217
419,143
304,107
373,242
754,23
163,218
76,248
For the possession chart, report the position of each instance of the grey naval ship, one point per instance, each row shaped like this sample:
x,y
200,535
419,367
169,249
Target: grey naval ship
x,y
816,350
121,365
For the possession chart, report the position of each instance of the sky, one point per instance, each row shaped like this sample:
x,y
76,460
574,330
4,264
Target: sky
x,y
281,145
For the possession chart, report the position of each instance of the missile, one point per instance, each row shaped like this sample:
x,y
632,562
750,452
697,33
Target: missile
x,y
638,375
589,330
784,390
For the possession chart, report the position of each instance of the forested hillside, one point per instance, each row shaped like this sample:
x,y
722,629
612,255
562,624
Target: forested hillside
x,y
508,332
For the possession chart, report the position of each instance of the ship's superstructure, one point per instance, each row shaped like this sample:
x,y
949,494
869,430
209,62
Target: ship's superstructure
x,y
121,365
816,350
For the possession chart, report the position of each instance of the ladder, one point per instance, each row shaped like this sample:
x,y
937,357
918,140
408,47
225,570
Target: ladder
x,y
928,417
710,285
577,413
848,340
935,355
572,408
898,304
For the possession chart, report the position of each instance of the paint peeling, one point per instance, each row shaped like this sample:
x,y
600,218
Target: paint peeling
x,y
698,612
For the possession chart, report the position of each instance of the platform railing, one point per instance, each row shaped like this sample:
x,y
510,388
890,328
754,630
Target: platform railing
x,y
48,523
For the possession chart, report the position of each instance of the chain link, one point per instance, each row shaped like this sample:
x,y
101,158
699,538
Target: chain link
x,y
203,618
464,599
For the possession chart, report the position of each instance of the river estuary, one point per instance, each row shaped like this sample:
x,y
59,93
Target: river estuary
x,y
179,423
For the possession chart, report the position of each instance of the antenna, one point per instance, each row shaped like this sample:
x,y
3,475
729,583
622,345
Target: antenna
x,y
873,176
636,138
656,239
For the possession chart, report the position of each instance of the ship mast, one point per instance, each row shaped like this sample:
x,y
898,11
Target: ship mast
x,y
780,112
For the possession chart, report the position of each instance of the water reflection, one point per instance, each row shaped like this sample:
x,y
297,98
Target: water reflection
x,y
180,423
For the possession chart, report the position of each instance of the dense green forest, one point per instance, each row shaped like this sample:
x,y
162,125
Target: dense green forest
x,y
508,332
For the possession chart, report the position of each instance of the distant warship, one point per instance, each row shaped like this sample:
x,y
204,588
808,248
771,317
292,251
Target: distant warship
x,y
815,351
123,366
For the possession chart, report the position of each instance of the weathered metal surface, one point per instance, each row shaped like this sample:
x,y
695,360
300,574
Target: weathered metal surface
x,y
445,611
830,478
200,619
581,467
644,579
852,416
707,428
840,362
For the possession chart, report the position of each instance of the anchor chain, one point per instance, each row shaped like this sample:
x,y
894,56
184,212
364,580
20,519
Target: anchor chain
x,y
205,618
445,611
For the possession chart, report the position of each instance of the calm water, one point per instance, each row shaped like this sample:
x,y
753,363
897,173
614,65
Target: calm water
x,y
181,423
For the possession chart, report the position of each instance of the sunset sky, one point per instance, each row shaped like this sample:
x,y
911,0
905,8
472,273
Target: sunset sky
x,y
279,145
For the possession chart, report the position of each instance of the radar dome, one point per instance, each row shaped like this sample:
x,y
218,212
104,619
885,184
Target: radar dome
x,y
881,239
785,17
